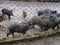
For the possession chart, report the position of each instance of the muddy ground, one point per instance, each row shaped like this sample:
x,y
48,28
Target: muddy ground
x,y
31,9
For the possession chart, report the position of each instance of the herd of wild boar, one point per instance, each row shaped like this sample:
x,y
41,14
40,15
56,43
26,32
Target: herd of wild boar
x,y
46,19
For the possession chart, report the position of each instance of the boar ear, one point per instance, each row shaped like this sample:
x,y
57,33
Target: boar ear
x,y
30,22
54,12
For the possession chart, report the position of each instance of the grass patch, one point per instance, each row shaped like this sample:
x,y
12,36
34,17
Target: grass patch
x,y
55,35
2,39
35,36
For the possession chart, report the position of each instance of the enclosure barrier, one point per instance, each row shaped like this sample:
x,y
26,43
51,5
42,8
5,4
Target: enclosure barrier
x,y
38,35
